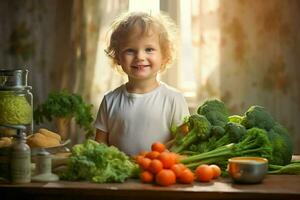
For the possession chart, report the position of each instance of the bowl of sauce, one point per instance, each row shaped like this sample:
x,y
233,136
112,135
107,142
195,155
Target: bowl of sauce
x,y
247,169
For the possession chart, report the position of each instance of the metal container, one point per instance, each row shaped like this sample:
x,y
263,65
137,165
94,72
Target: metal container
x,y
16,101
15,79
247,169
5,163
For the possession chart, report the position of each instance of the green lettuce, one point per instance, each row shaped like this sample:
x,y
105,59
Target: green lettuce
x,y
98,163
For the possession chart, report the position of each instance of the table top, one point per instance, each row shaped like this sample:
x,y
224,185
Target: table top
x,y
272,187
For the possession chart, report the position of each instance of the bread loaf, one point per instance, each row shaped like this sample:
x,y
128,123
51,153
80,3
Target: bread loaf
x,y
48,133
5,142
42,141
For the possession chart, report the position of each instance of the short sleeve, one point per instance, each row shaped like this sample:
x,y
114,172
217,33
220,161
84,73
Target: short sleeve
x,y
101,119
180,110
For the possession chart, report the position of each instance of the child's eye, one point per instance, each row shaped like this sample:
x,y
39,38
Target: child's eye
x,y
129,51
149,50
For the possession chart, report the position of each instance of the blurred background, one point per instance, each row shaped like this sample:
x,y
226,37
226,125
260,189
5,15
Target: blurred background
x,y
244,52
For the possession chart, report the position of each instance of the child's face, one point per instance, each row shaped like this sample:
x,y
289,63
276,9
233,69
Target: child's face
x,y
140,56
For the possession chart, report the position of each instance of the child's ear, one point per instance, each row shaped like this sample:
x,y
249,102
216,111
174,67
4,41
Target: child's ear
x,y
165,61
117,60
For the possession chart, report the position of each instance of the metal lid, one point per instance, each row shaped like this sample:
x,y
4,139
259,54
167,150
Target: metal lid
x,y
14,79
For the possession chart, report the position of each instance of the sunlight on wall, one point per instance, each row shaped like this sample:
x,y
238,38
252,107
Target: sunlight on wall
x,y
206,40
144,5
186,60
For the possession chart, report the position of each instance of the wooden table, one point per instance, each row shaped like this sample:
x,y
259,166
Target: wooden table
x,y
273,187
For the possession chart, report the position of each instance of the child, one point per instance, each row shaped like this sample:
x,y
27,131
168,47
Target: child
x,y
143,110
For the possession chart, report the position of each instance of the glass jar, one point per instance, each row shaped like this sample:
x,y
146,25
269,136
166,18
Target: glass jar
x,y
16,101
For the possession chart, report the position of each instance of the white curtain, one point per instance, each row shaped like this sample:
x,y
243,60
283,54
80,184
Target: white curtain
x,y
104,77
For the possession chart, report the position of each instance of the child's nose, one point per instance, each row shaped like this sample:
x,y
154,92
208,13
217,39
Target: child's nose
x,y
140,55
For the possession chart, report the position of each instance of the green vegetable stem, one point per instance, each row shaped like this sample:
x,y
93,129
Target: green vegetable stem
x,y
254,143
292,168
199,129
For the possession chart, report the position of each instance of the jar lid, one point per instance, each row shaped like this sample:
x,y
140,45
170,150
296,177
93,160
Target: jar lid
x,y
14,79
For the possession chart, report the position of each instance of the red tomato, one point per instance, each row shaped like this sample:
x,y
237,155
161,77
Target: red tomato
x,y
204,173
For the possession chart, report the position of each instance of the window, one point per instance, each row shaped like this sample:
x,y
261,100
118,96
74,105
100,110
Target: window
x,y
144,5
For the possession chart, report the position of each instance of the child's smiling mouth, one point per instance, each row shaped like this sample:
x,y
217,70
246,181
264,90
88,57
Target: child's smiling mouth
x,y
140,67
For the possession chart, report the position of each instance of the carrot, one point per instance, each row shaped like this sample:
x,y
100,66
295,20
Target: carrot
x,y
204,173
165,177
158,146
146,177
155,166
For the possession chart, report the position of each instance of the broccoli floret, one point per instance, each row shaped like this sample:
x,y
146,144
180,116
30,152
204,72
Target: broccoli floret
x,y
233,134
235,118
258,116
282,145
216,113
203,146
199,129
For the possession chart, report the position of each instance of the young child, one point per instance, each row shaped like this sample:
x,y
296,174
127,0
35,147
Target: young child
x,y
143,110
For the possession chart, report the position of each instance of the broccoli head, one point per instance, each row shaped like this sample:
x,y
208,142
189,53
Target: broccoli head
x,y
216,113
258,116
199,129
235,119
282,145
255,142
233,134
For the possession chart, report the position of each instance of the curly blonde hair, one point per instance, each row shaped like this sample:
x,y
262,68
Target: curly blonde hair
x,y
126,24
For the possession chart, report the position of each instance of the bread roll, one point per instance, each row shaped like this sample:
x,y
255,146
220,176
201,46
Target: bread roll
x,y
5,141
42,141
48,133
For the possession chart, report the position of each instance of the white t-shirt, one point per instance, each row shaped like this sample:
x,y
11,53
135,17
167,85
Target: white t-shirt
x,y
135,121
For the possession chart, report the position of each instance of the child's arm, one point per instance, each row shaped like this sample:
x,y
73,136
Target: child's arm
x,y
101,136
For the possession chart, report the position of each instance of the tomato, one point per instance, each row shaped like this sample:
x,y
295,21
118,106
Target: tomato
x,y
139,159
155,166
146,177
178,169
168,159
184,128
216,169
158,146
143,153
204,173
152,154
144,163
165,177
186,176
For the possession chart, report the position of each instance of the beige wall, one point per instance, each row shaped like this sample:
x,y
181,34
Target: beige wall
x,y
260,51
